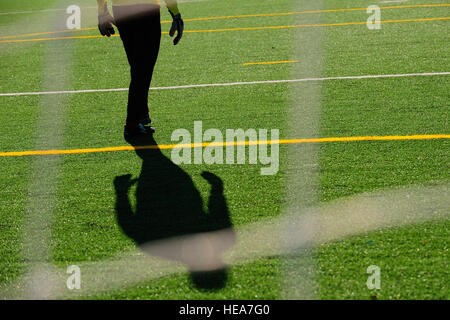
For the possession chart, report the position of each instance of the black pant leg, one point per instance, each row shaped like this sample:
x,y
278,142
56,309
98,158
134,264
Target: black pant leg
x,y
140,30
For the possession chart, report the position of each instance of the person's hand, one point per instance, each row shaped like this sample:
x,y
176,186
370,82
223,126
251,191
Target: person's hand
x,y
178,26
105,22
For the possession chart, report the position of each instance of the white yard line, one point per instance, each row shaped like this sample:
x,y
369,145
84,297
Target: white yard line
x,y
391,1
233,83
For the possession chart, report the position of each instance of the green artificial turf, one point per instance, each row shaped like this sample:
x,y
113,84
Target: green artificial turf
x,y
414,259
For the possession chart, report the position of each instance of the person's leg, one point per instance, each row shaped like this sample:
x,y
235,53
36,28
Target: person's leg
x,y
140,30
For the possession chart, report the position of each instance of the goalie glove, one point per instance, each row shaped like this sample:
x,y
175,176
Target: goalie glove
x,y
178,26
105,22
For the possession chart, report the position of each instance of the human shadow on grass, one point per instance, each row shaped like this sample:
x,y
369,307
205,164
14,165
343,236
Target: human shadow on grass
x,y
170,221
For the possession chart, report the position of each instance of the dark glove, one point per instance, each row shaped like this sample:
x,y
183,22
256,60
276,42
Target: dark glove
x,y
105,22
178,26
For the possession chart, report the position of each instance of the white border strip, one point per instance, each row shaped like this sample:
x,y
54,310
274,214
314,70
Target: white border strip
x,y
233,83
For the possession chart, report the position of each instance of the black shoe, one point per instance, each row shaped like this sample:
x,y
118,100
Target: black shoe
x,y
140,130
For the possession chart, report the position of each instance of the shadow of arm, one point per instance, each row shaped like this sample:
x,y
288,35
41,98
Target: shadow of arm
x,y
217,204
125,214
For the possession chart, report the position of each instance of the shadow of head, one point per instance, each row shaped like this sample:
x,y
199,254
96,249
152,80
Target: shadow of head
x,y
170,221
210,280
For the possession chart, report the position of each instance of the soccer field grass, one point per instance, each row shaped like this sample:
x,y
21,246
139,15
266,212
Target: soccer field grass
x,y
414,259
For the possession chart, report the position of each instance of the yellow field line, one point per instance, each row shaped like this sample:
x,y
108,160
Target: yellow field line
x,y
238,29
54,38
269,62
316,25
43,33
243,16
224,144
315,11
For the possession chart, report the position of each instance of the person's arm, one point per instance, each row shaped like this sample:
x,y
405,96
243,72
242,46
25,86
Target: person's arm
x,y
172,5
105,20
177,23
102,6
